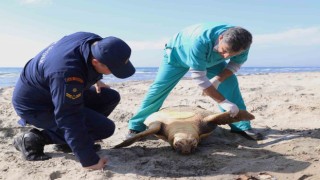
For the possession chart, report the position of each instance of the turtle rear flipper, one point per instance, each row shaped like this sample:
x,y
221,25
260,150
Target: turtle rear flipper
x,y
225,118
154,127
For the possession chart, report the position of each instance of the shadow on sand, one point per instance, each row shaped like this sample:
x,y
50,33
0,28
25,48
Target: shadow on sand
x,y
221,153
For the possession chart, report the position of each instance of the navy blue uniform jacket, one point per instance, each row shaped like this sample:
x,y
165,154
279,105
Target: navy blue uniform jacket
x,y
54,81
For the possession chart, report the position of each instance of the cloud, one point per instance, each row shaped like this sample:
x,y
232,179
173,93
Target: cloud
x,y
294,37
147,45
35,1
309,36
16,51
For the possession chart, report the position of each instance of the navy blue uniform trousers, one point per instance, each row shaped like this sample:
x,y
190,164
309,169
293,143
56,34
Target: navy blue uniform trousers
x,y
97,107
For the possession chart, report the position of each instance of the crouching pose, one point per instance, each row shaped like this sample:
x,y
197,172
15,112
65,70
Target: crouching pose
x,y
59,91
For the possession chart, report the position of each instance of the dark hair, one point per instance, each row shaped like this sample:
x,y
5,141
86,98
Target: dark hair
x,y
237,38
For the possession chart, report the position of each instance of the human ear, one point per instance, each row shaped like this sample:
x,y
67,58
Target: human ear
x,y
94,62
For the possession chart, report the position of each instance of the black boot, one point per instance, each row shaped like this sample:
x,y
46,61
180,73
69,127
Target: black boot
x,y
31,145
250,134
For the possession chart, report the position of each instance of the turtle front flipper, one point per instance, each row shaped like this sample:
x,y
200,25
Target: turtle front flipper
x,y
225,118
154,127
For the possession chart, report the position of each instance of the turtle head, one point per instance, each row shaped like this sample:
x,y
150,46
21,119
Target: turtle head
x,y
185,143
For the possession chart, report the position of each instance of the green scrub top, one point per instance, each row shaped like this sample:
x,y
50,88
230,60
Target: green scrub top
x,y
193,47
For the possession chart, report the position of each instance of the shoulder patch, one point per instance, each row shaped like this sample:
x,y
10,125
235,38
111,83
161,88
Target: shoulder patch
x,y
73,78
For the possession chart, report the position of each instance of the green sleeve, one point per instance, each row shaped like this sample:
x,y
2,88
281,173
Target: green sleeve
x,y
198,55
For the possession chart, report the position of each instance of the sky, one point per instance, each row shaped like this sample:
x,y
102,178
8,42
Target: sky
x,y
285,32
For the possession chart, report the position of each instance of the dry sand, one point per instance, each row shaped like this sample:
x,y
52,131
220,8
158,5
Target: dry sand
x,y
287,110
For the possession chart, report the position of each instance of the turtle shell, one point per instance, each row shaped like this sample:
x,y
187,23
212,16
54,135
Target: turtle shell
x,y
177,113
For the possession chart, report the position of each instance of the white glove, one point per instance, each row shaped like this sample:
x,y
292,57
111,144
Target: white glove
x,y
230,107
215,82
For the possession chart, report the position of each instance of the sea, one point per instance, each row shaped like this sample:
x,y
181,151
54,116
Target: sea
x,y
9,75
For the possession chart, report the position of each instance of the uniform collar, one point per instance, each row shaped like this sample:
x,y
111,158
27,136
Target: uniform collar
x,y
93,75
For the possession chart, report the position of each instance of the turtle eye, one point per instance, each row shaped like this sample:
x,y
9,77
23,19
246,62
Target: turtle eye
x,y
194,143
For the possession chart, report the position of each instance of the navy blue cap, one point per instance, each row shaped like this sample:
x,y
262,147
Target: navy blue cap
x,y
115,54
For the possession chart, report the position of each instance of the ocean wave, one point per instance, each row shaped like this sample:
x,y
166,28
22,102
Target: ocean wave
x,y
9,76
3,75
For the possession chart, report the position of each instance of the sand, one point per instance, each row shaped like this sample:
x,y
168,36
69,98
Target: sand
x,y
287,110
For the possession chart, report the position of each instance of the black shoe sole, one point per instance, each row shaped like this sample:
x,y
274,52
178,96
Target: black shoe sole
x,y
245,135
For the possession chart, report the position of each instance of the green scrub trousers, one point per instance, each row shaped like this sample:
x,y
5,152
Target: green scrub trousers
x,y
167,78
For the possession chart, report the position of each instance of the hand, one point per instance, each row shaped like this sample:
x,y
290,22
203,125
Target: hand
x,y
230,107
99,84
215,82
100,165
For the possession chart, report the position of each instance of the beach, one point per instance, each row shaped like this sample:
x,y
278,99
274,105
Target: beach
x,y
287,111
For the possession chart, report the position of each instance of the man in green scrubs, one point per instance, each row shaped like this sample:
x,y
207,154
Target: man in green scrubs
x,y
202,49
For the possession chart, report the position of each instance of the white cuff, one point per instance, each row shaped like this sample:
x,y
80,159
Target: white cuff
x,y
215,82
234,67
200,78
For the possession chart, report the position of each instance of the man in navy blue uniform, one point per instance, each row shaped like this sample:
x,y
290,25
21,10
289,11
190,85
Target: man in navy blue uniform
x,y
59,91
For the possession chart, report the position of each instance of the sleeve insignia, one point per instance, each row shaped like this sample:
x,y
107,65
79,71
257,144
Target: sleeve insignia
x,y
73,93
73,96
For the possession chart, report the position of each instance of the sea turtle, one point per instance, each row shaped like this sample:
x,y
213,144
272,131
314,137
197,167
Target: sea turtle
x,y
184,126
